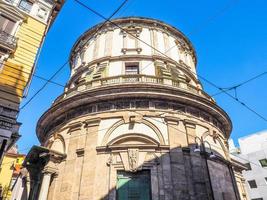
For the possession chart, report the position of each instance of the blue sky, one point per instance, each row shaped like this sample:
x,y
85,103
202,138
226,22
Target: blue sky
x,y
230,38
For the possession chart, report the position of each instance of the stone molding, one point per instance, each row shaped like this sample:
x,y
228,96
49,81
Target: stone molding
x,y
209,107
133,159
172,120
92,122
190,123
121,122
75,126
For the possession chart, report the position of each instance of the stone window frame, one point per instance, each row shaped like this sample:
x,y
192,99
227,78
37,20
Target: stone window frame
x,y
132,63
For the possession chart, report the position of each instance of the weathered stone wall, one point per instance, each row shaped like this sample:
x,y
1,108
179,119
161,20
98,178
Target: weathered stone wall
x,y
152,119
177,172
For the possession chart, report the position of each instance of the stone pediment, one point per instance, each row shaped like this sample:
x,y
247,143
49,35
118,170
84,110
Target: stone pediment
x,y
11,11
133,140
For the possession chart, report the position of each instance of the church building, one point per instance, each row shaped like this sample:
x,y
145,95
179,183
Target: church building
x,y
133,122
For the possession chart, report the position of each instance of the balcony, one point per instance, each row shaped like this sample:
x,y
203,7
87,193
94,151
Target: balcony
x,y
134,79
7,41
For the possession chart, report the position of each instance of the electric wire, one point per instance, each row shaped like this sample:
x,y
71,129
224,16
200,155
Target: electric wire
x,y
203,78
50,80
240,84
44,85
28,73
65,64
210,19
171,126
107,20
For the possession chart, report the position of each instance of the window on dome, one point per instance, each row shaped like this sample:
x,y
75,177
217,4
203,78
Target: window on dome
x,y
131,68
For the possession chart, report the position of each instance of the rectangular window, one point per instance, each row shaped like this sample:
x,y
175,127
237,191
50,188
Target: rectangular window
x,y
42,13
263,162
257,199
252,184
122,105
142,104
265,180
161,105
6,24
248,166
131,68
25,5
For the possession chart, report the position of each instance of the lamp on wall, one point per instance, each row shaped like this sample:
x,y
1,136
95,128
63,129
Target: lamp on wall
x,y
201,147
197,149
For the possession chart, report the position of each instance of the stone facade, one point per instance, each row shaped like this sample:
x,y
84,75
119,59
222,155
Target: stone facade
x,y
128,109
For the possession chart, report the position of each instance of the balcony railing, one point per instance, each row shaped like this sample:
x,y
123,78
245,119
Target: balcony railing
x,y
134,79
8,41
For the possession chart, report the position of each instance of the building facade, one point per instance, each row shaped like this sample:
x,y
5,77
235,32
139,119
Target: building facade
x,y
9,172
253,151
23,26
239,165
132,122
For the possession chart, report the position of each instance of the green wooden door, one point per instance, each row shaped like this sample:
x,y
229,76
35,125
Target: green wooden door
x,y
133,186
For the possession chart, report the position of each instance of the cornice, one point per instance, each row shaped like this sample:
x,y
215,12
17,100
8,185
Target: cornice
x,y
136,91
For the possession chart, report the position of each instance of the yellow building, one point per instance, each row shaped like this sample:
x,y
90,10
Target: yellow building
x,y
23,26
9,171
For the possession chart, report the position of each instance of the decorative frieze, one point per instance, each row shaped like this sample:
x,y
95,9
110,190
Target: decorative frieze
x,y
151,104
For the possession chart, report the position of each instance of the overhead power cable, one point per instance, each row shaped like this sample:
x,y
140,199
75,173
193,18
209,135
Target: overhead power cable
x,y
28,73
240,84
242,103
201,26
171,126
50,80
161,122
44,85
203,78
53,76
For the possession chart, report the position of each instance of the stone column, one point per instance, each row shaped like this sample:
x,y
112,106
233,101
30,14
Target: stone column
x,y
47,174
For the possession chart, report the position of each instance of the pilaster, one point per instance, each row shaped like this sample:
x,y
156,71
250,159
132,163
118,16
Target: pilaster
x,y
190,127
